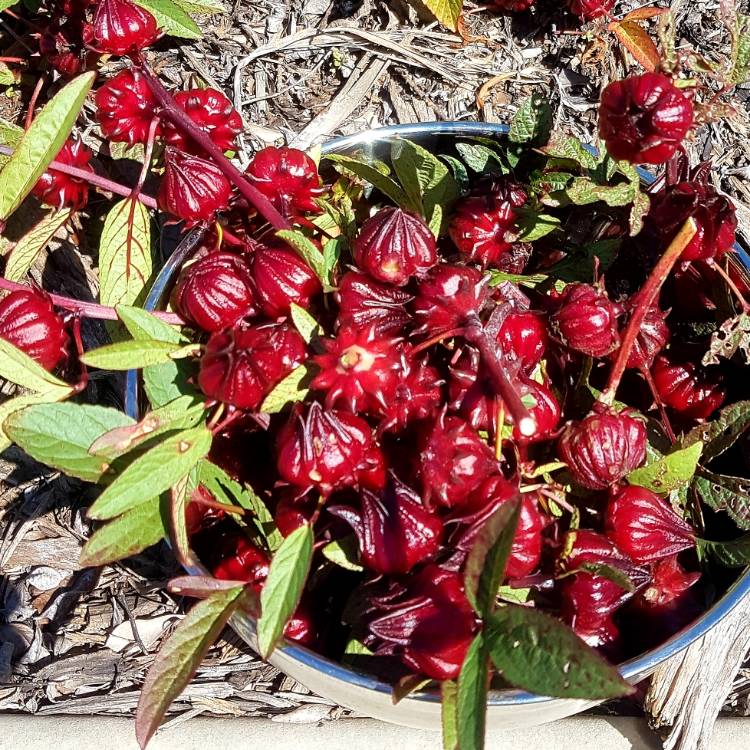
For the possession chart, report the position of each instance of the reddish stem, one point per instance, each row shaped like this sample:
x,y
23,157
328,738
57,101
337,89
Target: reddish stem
x,y
13,60
644,300
732,286
32,103
87,309
182,122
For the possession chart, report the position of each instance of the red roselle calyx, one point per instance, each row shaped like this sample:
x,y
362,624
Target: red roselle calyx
x,y
669,582
215,292
544,410
653,336
523,335
644,119
644,526
394,530
62,45
364,302
394,246
417,395
329,450
588,10
603,448
192,189
514,6
120,27
242,561
691,390
61,190
212,112
242,365
125,107
29,322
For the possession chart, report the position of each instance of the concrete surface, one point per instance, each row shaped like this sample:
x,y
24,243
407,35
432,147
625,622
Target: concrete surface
x,y
82,733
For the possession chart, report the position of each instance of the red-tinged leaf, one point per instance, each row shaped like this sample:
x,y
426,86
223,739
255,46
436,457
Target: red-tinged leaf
x,y
179,657
643,14
178,534
410,683
636,40
200,587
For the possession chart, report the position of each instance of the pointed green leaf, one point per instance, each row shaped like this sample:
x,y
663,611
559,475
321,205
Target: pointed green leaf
x,y
449,714
727,494
206,7
131,355
293,388
171,18
386,185
17,367
668,472
721,434
344,552
306,250
732,554
307,326
24,254
471,699
532,122
12,405
145,326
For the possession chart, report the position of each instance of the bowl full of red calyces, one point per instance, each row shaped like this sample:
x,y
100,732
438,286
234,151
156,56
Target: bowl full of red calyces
x,y
483,410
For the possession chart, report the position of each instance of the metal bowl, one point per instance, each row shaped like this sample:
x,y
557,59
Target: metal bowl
x,y
361,692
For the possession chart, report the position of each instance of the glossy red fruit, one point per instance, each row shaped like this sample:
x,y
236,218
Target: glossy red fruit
x,y
652,337
395,531
329,450
125,107
241,366
215,292
29,322
212,112
454,462
293,511
242,561
586,546
433,627
523,336
288,178
364,302
544,408
448,297
199,516
192,189
302,627
588,10
644,525
120,27
61,190
691,390
514,6
669,582
603,448
394,246
471,392
587,321
359,370
644,119
281,278
484,226
62,44
417,395
713,213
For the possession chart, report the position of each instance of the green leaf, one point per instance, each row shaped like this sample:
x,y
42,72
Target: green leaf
x,y
144,326
610,572
639,211
306,250
41,143
485,563
584,192
24,254
501,277
171,18
669,472
131,533
471,698
479,158
344,553
131,355
59,435
721,434
307,326
733,554
460,175
17,367
733,336
179,658
10,134
12,405
566,147
580,265
205,7
533,122
125,263
283,587
550,182
446,11
154,472
389,187
536,652
725,493
740,50
449,714
534,226
293,388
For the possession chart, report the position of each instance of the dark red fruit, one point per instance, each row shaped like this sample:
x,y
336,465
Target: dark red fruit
x,y
192,189
293,511
692,391
483,226
669,582
212,112
125,107
644,526
652,337
713,213
120,27
62,44
200,516
329,450
644,119
471,392
29,322
544,408
587,321
514,6
302,627
242,365
364,302
359,370
394,246
523,336
588,10
215,292
242,561
603,448
395,531
417,395
61,190
282,278
449,297
454,462
433,627
288,178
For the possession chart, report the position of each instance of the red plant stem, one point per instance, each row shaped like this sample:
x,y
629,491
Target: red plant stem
x,y
87,309
32,103
444,336
644,300
149,152
658,401
181,121
732,286
13,60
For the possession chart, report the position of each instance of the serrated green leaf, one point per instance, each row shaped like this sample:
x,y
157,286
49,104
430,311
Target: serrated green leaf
x,y
307,326
17,367
732,554
344,553
125,262
5,4
128,534
171,18
292,389
446,11
471,696
377,179
203,7
41,143
726,494
532,123
721,434
479,157
536,652
10,134
59,435
534,226
740,50
154,472
180,656
566,147
131,355
460,175
583,192
25,252
306,250
143,325
12,405
283,587
669,472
